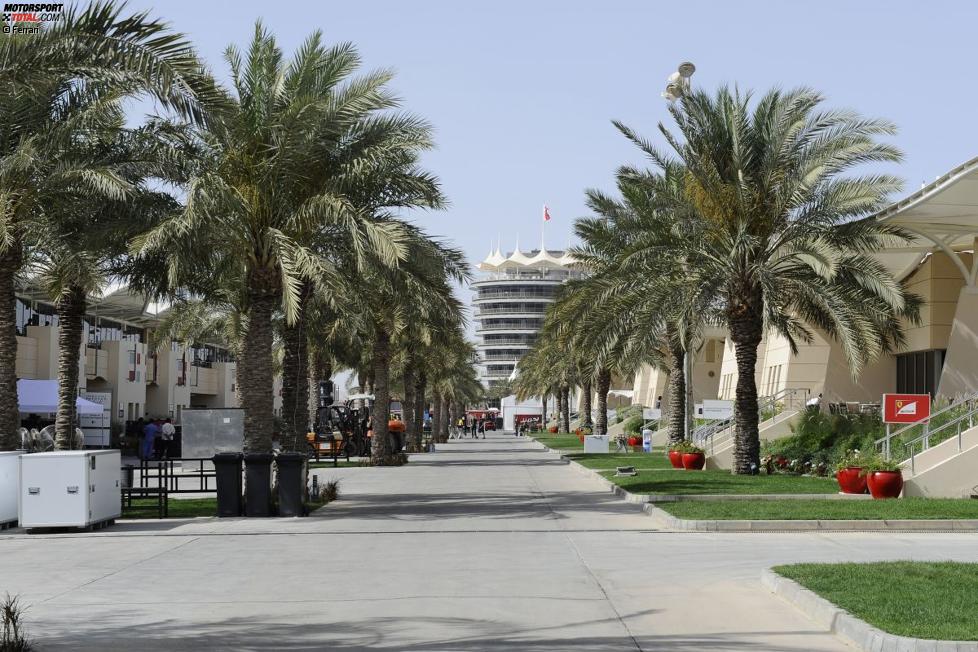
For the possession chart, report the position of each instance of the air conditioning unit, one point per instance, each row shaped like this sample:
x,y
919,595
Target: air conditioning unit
x,y
9,475
69,488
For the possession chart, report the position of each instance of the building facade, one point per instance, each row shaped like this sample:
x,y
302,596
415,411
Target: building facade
x,y
510,301
116,359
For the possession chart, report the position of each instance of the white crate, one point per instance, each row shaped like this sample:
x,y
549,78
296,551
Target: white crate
x,y
9,473
69,488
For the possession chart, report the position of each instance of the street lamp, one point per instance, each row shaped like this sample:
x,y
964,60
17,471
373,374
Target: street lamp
x,y
677,84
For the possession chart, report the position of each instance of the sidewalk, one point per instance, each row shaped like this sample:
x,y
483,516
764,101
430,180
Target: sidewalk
x,y
485,545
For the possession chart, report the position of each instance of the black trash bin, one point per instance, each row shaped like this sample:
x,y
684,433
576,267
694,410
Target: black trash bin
x,y
291,484
227,468
258,484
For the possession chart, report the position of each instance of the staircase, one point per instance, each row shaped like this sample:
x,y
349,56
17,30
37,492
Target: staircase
x,y
941,452
718,439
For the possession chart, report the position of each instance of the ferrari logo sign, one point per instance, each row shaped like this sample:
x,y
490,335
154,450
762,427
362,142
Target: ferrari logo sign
x,y
905,408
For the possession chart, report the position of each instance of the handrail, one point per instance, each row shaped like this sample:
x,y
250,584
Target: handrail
x,y
924,440
763,404
884,443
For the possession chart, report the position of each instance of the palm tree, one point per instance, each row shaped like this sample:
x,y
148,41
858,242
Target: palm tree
x,y
54,87
271,188
417,290
777,240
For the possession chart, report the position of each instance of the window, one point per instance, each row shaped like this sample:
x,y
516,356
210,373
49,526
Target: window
x,y
919,372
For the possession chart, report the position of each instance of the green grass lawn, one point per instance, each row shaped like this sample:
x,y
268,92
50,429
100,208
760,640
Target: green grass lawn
x,y
560,441
794,510
655,460
722,482
183,508
931,600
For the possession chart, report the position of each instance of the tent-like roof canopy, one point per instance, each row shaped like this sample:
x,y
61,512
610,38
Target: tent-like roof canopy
x,y
41,397
944,217
540,259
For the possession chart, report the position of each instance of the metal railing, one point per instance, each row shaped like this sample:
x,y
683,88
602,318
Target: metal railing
x,y
937,423
783,404
514,294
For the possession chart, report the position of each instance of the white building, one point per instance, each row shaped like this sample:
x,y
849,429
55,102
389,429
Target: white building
x,y
509,305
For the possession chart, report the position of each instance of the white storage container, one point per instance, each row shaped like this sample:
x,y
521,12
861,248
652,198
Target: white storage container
x,y
69,488
9,472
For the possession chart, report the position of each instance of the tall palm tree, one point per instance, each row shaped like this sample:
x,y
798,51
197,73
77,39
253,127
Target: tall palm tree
x,y
53,89
777,239
416,290
267,187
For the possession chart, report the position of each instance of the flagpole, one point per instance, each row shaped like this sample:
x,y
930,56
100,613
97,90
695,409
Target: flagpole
x,y
543,229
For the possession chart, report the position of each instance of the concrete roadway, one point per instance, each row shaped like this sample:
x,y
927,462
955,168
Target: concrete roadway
x,y
485,545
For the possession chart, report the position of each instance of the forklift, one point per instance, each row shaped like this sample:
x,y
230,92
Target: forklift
x,y
335,428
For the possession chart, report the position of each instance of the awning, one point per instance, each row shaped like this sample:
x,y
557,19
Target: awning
x,y
943,215
41,397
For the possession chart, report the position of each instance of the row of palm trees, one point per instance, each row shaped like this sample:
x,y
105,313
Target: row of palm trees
x,y
753,218
267,213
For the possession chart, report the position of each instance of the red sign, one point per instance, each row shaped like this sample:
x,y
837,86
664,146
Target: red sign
x,y
905,408
528,418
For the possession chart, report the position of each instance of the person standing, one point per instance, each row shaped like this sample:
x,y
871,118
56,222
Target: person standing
x,y
150,431
167,431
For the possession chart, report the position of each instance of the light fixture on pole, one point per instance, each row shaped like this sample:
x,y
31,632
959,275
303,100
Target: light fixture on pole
x,y
677,84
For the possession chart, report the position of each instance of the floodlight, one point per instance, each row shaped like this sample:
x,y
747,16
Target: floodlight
x,y
676,90
674,78
686,69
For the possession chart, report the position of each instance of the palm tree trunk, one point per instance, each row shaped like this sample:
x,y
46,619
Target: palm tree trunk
x,y
586,404
408,410
677,394
443,409
71,311
435,418
746,331
419,403
565,408
381,452
295,377
604,384
255,376
543,421
10,262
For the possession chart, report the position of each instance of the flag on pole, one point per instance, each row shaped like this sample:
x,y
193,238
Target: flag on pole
x,y
546,213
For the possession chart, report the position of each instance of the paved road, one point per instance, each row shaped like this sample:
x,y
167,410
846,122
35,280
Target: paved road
x,y
487,545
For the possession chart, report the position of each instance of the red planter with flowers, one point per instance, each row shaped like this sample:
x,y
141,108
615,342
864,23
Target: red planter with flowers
x,y
885,484
851,480
694,461
676,459
552,430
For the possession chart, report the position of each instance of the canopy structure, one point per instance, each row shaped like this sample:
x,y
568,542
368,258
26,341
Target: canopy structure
x,y
41,396
943,215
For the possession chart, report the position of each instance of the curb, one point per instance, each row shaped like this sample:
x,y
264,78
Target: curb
x,y
854,631
668,521
903,525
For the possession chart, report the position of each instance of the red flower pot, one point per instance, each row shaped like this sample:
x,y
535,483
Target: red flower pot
x,y
580,438
850,481
694,461
552,429
676,459
637,448
632,441
885,484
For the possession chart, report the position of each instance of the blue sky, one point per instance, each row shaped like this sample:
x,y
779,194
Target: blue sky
x,y
522,93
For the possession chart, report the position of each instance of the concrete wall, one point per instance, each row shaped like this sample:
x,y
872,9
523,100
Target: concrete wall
x,y
960,375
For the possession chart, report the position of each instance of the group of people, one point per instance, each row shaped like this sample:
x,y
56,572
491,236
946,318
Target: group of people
x,y
157,437
474,427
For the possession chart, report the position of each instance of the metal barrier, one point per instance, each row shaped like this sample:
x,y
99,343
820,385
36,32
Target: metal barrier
x,y
165,475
